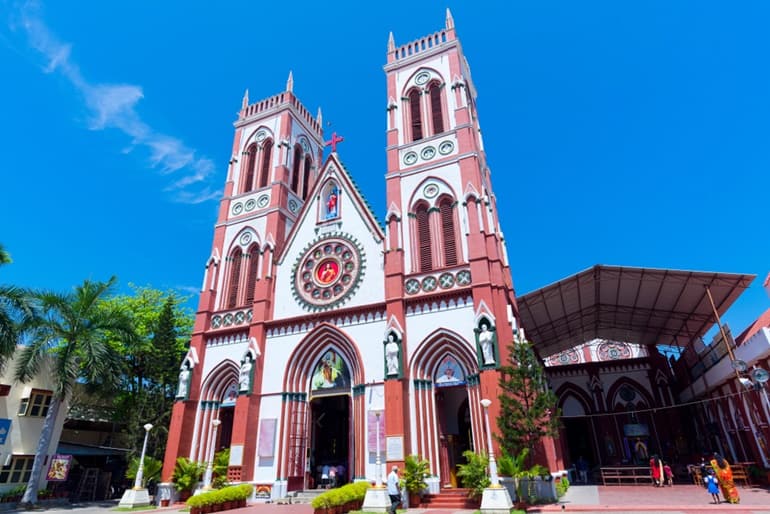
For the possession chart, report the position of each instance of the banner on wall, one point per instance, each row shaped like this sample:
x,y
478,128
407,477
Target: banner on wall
x,y
59,468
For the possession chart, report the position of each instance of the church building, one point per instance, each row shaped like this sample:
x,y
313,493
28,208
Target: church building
x,y
321,324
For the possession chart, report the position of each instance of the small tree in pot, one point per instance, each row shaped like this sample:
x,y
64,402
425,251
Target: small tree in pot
x,y
416,470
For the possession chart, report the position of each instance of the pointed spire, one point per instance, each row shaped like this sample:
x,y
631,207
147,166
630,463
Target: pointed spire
x,y
450,22
245,101
290,83
319,118
391,43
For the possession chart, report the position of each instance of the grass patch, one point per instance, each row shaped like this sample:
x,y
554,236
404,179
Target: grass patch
x,y
134,509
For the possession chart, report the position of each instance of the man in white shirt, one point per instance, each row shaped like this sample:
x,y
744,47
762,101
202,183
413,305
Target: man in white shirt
x,y
393,491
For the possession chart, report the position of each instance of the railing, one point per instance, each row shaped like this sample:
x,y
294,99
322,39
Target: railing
x,y
421,45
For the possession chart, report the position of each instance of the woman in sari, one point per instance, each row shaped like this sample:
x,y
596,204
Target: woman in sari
x,y
656,470
725,477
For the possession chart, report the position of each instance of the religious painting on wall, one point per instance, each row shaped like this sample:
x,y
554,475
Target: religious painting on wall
x,y
449,373
231,394
330,374
59,469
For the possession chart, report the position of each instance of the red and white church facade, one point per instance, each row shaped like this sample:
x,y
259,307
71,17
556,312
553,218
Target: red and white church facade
x,y
316,323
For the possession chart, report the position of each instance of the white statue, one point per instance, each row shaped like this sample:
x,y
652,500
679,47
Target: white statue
x,y
486,339
244,379
184,378
391,355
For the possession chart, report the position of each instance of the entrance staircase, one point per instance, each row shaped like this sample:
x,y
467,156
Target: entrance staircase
x,y
304,496
449,499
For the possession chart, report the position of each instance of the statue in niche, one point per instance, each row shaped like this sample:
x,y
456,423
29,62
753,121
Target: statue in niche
x,y
184,382
486,338
244,378
331,203
392,349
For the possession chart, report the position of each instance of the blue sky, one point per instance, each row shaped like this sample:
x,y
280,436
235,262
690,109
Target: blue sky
x,y
617,133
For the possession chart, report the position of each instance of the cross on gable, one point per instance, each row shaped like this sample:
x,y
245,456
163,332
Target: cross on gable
x,y
333,143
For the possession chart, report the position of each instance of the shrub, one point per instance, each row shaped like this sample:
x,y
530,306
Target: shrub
x,y
415,471
187,474
561,487
473,475
150,471
224,495
341,495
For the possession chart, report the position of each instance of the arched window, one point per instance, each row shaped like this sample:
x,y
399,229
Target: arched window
x,y
423,238
251,164
267,155
295,168
251,277
415,114
306,178
235,275
448,232
435,107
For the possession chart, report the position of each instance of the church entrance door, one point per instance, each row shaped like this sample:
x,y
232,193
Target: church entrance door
x,y
454,429
330,454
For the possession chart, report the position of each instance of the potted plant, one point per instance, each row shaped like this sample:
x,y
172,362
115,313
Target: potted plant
x,y
510,469
473,474
187,474
416,469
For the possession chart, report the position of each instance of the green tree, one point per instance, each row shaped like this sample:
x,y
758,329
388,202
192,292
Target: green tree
x,y
527,406
150,364
71,333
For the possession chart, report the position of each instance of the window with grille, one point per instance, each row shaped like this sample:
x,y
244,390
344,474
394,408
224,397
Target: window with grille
x,y
267,154
435,108
251,164
235,274
415,114
423,239
36,405
251,278
18,471
448,232
295,168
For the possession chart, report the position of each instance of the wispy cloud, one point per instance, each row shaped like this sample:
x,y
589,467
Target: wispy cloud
x,y
114,106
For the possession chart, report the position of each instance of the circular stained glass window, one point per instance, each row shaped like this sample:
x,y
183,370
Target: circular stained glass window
x,y
328,272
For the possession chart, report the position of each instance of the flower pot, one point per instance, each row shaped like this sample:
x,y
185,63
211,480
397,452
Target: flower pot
x,y
165,502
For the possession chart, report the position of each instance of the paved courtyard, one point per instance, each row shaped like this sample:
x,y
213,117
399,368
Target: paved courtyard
x,y
680,499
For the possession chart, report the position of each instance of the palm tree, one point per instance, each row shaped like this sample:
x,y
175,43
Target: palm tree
x,y
15,313
71,333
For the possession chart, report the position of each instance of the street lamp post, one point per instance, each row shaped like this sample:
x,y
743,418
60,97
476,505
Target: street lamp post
x,y
137,496
140,470
493,478
210,466
378,464
495,499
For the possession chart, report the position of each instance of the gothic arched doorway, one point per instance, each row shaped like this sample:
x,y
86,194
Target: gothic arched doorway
x,y
329,440
454,419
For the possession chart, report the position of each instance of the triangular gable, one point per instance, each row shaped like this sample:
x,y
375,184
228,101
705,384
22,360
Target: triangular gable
x,y
333,169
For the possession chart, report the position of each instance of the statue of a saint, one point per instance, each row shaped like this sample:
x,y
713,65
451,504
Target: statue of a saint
x,y
244,379
331,204
184,379
486,342
391,355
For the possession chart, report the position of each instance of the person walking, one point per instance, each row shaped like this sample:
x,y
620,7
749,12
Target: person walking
x,y
393,491
712,485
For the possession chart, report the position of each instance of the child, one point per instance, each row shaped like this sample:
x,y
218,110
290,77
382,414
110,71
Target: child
x,y
712,485
668,475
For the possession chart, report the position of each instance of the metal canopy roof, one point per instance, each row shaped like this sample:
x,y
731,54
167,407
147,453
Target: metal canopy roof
x,y
637,305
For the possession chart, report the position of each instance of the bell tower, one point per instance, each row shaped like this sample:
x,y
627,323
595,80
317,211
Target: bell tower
x,y
442,225
276,155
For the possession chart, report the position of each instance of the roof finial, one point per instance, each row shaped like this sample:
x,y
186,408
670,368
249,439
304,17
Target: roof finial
x,y
391,43
450,22
319,118
290,83
245,101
